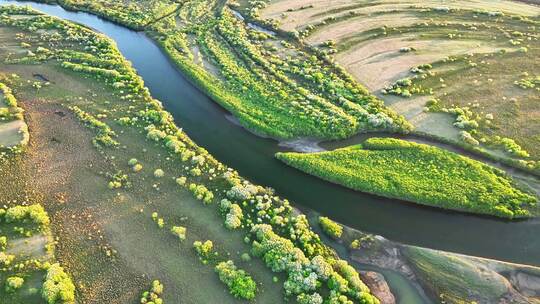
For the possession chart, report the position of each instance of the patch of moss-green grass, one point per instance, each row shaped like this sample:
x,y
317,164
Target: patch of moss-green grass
x,y
418,173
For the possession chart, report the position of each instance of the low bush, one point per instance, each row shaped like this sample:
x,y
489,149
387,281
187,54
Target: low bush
x,y
58,287
330,227
153,296
13,283
35,214
240,284
204,250
6,259
105,133
158,173
3,243
180,232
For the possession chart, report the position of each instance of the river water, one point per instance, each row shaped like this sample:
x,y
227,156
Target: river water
x,y
207,124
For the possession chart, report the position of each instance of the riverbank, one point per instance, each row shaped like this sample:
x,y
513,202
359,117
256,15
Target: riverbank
x,y
433,276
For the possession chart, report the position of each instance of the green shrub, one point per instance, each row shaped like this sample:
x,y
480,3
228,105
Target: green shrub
x,y
23,214
3,243
154,295
6,259
204,250
240,284
58,287
13,283
179,231
330,227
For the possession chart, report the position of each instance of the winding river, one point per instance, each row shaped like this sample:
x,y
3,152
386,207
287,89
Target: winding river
x,y
211,127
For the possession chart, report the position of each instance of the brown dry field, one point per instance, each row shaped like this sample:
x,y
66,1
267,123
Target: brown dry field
x,y
324,8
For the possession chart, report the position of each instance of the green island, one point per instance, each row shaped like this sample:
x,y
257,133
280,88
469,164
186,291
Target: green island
x,y
418,173
105,198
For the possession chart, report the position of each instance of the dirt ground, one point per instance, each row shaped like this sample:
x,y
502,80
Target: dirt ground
x,y
59,168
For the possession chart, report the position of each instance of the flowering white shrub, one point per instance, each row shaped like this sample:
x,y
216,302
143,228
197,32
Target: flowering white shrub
x,y
242,192
321,267
468,138
233,219
313,298
300,281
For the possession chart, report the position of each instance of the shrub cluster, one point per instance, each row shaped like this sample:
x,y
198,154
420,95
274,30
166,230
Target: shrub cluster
x,y
240,284
153,296
510,146
58,287
13,283
233,214
34,214
529,82
105,133
330,227
205,250
305,276
13,111
180,232
3,243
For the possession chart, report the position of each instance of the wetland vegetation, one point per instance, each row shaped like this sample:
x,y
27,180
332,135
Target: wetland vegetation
x,y
272,86
282,238
29,271
419,173
462,72
156,214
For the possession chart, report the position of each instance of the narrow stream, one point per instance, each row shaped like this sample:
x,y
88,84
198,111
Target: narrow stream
x,y
207,124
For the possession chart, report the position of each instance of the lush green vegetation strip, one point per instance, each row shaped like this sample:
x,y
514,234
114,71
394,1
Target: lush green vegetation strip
x,y
418,173
283,92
